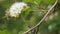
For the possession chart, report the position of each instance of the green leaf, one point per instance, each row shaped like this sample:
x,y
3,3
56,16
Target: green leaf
x,y
37,1
2,0
48,1
28,1
6,5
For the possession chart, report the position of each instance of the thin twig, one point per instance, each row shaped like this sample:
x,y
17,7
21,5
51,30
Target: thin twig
x,y
40,10
42,18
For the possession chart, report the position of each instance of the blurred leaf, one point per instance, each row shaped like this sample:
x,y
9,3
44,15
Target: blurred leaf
x,y
37,1
48,1
28,1
4,32
6,5
2,0
52,27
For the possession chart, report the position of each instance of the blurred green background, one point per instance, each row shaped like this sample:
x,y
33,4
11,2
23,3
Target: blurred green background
x,y
28,18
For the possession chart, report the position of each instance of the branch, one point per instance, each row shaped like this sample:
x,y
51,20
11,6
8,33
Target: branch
x,y
42,18
40,10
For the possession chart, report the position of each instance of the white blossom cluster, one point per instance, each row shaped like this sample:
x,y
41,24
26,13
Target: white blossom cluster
x,y
16,8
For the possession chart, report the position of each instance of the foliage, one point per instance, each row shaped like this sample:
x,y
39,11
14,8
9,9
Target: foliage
x,y
29,18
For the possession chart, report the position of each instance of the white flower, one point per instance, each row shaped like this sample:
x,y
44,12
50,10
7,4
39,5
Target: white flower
x,y
16,8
